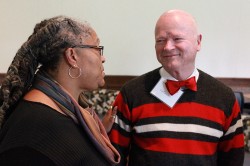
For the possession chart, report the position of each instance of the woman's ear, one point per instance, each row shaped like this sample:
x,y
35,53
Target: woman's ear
x,y
70,56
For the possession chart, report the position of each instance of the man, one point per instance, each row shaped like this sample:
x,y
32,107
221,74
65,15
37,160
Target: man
x,y
159,123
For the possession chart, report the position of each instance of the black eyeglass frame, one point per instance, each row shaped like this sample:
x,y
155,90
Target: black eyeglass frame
x,y
99,48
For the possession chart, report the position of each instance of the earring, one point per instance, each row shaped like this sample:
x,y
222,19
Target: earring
x,y
80,72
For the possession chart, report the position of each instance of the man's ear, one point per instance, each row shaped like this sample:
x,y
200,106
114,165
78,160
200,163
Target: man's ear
x,y
70,56
199,38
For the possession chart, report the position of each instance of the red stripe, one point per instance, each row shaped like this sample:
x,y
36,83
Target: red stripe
x,y
236,142
177,146
122,107
117,138
180,110
234,115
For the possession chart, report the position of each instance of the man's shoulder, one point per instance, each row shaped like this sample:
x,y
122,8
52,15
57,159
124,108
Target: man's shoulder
x,y
207,79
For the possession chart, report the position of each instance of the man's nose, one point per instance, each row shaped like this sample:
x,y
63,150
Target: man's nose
x,y
169,45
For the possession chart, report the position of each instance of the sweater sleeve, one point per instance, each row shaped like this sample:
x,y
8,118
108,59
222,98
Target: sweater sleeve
x,y
231,145
121,130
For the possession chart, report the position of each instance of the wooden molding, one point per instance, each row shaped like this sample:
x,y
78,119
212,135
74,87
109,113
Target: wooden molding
x,y
115,82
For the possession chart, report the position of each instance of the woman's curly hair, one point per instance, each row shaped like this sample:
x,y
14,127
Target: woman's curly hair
x,y
44,49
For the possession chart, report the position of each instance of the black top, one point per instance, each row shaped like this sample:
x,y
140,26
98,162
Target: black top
x,y
36,134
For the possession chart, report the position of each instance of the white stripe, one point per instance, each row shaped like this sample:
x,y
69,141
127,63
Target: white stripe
x,y
192,128
234,127
122,124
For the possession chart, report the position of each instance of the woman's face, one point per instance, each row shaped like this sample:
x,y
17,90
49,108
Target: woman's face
x,y
91,63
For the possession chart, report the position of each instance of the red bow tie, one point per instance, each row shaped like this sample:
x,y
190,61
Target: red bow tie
x,y
174,86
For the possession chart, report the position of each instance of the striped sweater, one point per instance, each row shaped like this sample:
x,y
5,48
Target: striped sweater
x,y
203,128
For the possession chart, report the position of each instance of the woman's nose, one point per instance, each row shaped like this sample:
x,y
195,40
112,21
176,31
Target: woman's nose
x,y
103,59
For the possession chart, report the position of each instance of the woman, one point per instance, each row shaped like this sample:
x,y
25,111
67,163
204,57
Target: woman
x,y
46,119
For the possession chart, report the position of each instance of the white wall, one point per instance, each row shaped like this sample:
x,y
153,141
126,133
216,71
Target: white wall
x,y
126,29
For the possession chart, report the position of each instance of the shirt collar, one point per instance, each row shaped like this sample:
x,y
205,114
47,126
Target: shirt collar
x,y
164,74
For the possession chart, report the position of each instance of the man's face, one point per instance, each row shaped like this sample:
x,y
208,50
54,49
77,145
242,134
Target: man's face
x,y
176,43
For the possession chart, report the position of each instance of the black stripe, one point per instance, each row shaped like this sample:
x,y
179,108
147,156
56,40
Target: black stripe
x,y
180,120
178,135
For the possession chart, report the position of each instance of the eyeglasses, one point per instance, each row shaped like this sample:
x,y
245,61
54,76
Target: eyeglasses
x,y
99,48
